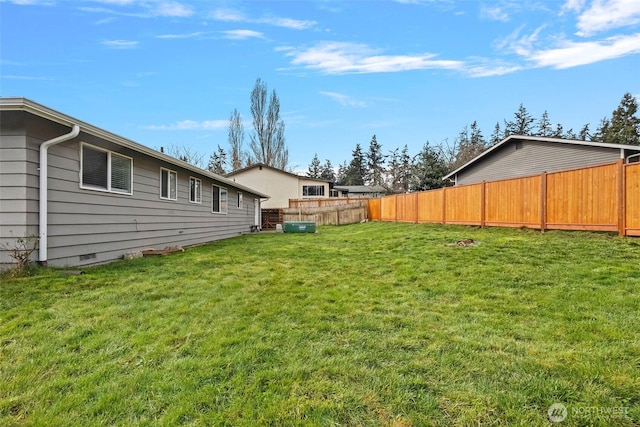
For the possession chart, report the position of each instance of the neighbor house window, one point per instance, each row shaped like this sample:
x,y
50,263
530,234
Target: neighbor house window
x,y
240,203
168,184
195,190
105,170
219,199
313,190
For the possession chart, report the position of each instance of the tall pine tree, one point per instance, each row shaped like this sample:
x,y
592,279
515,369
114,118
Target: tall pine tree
x,y
624,127
314,167
375,163
356,171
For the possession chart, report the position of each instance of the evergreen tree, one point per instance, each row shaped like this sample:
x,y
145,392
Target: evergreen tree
x,y
327,172
558,132
428,169
496,136
375,163
584,133
218,161
314,167
356,171
468,145
522,125
476,138
544,125
406,169
393,172
601,130
341,176
570,134
624,127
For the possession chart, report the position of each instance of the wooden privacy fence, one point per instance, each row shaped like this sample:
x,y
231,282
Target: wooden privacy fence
x,y
326,211
599,198
323,203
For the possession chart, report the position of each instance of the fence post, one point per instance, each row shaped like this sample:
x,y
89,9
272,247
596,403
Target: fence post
x,y
444,205
622,203
483,202
417,208
543,201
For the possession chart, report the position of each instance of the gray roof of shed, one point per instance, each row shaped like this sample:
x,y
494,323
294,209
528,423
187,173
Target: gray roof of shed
x,y
513,138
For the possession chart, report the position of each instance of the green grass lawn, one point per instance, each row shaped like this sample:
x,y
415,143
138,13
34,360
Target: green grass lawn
x,y
368,324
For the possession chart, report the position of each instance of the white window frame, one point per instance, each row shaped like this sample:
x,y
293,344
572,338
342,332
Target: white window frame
x,y
197,197
110,155
223,199
240,201
168,183
315,186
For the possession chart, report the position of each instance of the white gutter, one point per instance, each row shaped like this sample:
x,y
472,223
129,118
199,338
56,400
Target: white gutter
x,y
43,223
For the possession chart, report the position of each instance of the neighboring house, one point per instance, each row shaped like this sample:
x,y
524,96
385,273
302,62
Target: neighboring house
x,y
517,156
92,196
280,185
369,191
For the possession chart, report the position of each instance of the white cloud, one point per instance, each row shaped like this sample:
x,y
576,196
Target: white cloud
x,y
292,24
488,68
572,6
173,9
31,2
192,125
232,15
344,100
572,54
142,9
604,15
17,77
121,44
180,36
345,58
494,13
242,34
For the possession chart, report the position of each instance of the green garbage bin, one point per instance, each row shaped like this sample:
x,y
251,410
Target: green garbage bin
x,y
299,227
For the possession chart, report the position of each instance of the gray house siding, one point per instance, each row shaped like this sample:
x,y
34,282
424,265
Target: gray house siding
x,y
89,226
522,158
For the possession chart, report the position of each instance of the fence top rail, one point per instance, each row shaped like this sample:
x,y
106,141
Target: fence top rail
x,y
584,168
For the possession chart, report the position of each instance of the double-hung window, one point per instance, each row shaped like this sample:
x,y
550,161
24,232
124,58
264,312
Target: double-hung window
x,y
105,170
195,190
168,184
219,199
240,202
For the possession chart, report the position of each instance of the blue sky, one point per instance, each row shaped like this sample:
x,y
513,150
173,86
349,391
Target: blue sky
x,y
409,71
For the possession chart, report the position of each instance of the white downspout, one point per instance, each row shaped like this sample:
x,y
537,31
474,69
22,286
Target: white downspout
x,y
42,215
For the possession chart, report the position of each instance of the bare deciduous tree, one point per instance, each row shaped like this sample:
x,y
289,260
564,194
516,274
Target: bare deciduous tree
x,y
236,140
186,154
267,140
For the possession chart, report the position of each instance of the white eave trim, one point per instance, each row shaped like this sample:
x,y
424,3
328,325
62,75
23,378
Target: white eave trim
x,y
24,104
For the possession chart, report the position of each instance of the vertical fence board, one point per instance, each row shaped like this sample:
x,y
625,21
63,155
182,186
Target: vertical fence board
x,y
464,205
514,202
632,193
388,208
407,207
373,211
430,205
583,199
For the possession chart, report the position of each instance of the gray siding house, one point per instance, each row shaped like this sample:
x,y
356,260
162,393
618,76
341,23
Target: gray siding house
x,y
517,156
92,196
